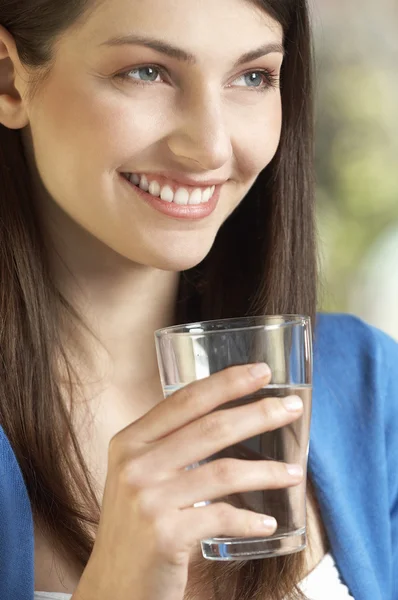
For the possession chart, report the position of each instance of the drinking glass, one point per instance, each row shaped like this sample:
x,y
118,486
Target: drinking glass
x,y
193,351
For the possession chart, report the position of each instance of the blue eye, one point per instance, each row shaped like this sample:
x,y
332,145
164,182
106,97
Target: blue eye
x,y
145,74
260,80
253,78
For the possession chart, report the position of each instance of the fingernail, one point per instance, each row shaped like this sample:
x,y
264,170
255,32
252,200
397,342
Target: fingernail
x,y
295,471
292,403
269,523
260,371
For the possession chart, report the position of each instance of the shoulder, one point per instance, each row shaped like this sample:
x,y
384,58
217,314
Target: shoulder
x,y
346,342
355,368
333,327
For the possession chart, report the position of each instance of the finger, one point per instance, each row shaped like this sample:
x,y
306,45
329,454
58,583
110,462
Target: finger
x,y
221,519
223,477
219,430
197,399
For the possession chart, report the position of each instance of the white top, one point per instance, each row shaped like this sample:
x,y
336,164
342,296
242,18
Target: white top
x,y
323,583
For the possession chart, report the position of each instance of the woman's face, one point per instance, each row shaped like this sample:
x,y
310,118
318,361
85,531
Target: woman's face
x,y
172,97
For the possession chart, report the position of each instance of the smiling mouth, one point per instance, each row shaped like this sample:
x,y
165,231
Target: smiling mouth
x,y
181,195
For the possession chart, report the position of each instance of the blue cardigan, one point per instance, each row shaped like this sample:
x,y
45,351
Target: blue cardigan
x,y
353,462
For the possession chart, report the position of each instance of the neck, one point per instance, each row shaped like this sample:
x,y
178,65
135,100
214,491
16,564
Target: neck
x,y
121,303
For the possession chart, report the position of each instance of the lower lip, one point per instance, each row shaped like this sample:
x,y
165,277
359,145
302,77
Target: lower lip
x,y
178,211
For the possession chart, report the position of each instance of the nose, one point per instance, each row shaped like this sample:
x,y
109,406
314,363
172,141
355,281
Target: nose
x,y
201,137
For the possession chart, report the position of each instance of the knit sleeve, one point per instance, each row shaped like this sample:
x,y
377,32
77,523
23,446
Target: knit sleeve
x,y
16,529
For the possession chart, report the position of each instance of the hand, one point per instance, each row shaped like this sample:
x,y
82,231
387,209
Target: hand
x,y
148,525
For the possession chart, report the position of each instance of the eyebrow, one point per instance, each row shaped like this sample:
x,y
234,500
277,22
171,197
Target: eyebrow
x,y
183,55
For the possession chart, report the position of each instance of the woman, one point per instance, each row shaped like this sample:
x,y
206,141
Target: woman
x,y
156,168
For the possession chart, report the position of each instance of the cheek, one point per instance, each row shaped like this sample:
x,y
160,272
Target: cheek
x,y
257,139
95,129
125,128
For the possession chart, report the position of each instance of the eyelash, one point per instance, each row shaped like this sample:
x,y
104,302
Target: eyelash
x,y
271,78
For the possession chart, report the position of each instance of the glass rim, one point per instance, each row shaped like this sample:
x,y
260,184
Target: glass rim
x,y
289,320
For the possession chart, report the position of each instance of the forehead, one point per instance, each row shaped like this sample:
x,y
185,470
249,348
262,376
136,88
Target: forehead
x,y
198,25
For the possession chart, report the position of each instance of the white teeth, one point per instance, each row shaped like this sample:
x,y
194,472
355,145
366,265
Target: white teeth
x,y
144,185
195,197
154,189
207,194
181,196
167,194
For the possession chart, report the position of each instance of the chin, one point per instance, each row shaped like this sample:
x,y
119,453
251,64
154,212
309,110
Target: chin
x,y
173,261
167,252
176,263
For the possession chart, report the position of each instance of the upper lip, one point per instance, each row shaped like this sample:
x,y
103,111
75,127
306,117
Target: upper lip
x,y
181,179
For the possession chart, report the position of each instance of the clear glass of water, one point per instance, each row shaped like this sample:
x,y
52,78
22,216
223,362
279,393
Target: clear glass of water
x,y
193,351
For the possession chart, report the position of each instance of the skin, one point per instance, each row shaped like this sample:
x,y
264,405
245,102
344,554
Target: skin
x,y
117,259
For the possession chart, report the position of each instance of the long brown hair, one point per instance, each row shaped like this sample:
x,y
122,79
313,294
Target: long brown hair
x,y
263,261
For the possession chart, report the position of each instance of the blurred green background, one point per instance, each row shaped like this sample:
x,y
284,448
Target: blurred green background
x,y
356,47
